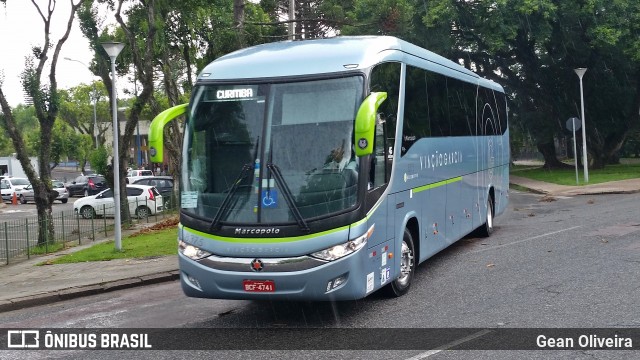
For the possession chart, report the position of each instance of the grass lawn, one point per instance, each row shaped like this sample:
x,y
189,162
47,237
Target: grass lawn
x,y
149,244
568,176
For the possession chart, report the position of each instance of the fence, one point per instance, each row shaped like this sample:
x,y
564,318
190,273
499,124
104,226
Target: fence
x,y
19,238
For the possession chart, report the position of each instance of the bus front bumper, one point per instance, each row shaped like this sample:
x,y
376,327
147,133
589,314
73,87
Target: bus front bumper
x,y
300,279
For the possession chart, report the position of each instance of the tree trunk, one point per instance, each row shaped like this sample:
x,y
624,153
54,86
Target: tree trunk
x,y
238,17
548,151
46,230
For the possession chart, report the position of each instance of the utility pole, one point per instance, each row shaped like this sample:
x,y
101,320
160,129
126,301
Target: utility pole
x,y
292,17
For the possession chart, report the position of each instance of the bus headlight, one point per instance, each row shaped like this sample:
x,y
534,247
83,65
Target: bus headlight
x,y
192,252
338,251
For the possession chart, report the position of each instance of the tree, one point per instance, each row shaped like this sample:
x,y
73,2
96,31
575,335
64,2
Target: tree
x,y
532,48
99,160
65,142
26,121
46,105
76,110
386,17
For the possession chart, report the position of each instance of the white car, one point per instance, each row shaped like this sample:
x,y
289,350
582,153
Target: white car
x,y
27,194
10,185
143,201
133,175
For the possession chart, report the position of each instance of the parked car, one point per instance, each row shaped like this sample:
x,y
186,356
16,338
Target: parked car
x,y
10,185
58,186
85,185
143,201
164,184
134,175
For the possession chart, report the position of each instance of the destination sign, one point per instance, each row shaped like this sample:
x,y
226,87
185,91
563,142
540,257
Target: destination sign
x,y
234,94
224,93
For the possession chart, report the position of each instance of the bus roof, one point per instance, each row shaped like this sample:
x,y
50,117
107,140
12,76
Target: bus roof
x,y
320,56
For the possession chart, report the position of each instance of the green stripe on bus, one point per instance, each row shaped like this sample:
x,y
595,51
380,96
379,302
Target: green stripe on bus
x,y
264,240
437,184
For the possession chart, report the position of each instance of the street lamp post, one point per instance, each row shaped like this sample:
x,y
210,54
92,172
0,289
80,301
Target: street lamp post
x,y
135,92
94,98
580,72
113,49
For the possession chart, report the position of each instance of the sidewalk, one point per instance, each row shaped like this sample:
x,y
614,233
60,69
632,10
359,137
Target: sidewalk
x,y
613,187
25,284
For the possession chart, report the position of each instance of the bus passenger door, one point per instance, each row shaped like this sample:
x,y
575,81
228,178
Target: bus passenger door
x,y
377,184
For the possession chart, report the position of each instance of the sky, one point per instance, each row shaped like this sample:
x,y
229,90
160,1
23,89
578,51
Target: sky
x,y
21,27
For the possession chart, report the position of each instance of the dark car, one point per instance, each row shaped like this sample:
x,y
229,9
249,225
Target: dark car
x,y
85,185
164,184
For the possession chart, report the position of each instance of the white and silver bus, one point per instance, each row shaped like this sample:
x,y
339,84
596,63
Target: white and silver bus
x,y
328,169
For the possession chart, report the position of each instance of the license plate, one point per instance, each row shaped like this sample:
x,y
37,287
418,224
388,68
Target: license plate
x,y
259,285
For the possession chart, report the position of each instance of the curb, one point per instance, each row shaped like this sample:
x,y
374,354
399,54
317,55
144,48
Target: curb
x,y
86,290
576,192
528,189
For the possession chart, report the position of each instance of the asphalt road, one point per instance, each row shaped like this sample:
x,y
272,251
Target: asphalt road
x,y
11,212
570,262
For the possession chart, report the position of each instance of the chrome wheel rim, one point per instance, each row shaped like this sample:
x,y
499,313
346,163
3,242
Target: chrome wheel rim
x,y
406,264
489,216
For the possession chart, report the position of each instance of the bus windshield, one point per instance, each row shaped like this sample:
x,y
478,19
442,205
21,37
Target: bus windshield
x,y
271,153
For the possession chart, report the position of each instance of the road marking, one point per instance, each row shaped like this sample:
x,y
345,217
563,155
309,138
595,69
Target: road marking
x,y
448,346
524,240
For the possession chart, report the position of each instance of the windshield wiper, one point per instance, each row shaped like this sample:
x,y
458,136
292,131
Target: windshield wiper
x,y
224,207
277,175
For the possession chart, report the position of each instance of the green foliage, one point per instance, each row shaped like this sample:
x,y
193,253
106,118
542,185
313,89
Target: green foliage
x,y
381,17
27,123
99,160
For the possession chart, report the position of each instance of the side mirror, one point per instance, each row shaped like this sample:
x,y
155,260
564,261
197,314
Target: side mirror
x,y
365,127
156,131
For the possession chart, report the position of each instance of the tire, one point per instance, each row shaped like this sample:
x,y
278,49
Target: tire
x,y
401,285
167,203
486,229
22,200
86,192
87,212
64,201
143,212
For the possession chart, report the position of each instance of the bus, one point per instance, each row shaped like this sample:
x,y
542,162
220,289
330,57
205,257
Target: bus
x,y
329,169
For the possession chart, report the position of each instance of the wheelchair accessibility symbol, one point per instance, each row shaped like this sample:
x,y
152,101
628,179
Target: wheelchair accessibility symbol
x,y
269,199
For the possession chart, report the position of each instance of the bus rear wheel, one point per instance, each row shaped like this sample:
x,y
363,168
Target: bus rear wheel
x,y
400,286
486,229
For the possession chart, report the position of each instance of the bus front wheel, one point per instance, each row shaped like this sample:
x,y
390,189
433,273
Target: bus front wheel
x,y
401,285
